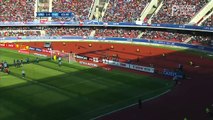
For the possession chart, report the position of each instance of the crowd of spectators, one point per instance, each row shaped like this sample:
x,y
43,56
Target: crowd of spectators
x,y
49,31
202,40
3,28
19,33
104,32
118,32
80,9
168,36
67,31
177,37
70,31
17,10
124,10
23,10
178,11
209,22
117,10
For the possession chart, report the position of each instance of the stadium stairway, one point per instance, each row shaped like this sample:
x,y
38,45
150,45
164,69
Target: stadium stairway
x,y
92,34
206,17
202,13
150,8
98,9
140,35
39,8
93,8
103,10
201,16
157,8
187,40
36,9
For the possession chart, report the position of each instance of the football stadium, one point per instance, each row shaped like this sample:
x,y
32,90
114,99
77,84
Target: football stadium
x,y
106,60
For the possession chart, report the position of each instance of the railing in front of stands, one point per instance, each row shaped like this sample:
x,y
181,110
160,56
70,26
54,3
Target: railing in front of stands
x,y
114,24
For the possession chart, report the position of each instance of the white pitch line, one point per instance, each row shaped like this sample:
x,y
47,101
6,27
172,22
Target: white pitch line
x,y
131,105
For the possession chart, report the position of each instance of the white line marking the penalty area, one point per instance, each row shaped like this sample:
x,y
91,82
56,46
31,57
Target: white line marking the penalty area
x,y
149,99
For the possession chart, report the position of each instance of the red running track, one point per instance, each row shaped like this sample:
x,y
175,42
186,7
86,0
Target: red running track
x,y
189,99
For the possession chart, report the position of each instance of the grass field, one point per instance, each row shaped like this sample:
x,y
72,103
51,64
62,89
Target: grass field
x,y
70,92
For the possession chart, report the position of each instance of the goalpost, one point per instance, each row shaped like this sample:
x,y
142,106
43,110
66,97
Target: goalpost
x,y
68,57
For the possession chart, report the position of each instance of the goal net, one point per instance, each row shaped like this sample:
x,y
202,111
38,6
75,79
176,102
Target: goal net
x,y
67,57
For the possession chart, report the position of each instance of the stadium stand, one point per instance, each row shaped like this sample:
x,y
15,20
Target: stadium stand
x,y
117,10
177,37
109,32
209,22
67,31
105,32
79,8
168,36
20,28
201,40
19,33
17,10
178,11
70,31
124,10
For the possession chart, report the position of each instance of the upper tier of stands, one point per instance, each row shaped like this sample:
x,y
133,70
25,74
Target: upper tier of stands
x,y
80,8
124,10
171,13
17,10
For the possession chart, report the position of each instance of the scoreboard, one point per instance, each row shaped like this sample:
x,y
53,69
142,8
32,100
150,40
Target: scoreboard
x,y
55,14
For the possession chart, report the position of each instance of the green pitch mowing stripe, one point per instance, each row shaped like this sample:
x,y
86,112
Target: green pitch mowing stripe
x,y
70,92
8,80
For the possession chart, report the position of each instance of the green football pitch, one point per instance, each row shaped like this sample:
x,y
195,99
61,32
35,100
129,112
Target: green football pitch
x,y
70,92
